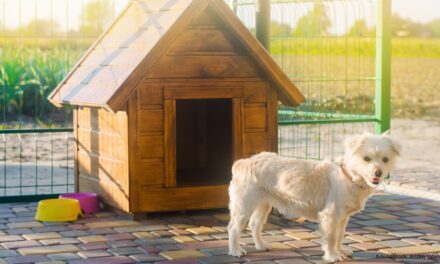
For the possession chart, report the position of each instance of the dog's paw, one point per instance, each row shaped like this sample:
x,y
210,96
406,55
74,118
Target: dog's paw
x,y
346,252
239,252
331,258
264,246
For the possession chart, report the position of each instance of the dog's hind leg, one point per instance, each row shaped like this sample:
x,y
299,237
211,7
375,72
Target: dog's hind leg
x,y
256,223
242,205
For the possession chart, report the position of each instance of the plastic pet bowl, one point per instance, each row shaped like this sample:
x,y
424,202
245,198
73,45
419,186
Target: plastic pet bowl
x,y
58,210
88,201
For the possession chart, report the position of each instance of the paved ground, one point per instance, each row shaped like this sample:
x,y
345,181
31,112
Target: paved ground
x,y
418,169
390,224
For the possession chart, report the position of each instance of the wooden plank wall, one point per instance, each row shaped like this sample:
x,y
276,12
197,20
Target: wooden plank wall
x,y
103,154
207,51
202,63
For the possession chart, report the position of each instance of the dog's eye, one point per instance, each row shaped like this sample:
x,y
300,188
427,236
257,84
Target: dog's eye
x,y
367,159
385,160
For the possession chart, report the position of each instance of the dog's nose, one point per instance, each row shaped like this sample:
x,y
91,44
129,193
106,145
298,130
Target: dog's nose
x,y
378,173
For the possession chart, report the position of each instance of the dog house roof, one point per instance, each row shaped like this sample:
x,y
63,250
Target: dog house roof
x,y
111,69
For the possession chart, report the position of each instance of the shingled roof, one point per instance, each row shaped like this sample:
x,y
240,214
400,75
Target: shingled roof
x,y
137,39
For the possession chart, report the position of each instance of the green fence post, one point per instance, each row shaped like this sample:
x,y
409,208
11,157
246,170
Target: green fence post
x,y
383,66
263,23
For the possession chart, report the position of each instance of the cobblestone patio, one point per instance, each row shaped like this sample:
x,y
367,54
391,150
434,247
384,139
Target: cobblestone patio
x,y
390,224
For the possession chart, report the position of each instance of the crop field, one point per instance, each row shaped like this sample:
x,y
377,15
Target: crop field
x,y
335,74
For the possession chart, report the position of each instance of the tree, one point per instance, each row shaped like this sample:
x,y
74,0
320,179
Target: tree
x,y
434,27
41,27
280,29
360,29
97,15
404,27
315,23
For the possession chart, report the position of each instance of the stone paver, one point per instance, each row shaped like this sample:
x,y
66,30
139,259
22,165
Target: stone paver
x,y
38,236
25,225
390,224
301,243
26,259
47,250
302,235
111,224
202,230
11,238
367,246
20,244
91,239
420,249
105,260
268,255
182,254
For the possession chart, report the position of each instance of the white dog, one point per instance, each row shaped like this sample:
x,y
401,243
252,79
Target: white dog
x,y
318,191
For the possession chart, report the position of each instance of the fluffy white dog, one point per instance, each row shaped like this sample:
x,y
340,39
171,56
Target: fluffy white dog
x,y
318,191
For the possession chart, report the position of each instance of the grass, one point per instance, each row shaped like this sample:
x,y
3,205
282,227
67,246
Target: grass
x,y
349,46
335,74
27,76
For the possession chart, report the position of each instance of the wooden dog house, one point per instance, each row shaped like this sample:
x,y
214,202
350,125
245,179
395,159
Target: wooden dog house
x,y
164,102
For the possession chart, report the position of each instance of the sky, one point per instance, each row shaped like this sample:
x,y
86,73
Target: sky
x,y
68,12
418,10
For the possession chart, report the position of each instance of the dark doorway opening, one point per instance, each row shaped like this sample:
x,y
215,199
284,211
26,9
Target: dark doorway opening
x,y
203,142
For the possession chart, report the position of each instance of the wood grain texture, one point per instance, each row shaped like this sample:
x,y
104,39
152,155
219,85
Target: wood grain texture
x,y
255,117
150,146
151,172
75,147
202,40
102,153
170,143
254,142
107,191
288,93
151,121
190,39
150,94
272,120
237,128
133,158
189,198
202,92
214,66
255,92
156,54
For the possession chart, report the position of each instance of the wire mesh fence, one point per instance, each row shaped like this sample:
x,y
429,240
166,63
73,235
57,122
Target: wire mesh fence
x,y
40,40
327,48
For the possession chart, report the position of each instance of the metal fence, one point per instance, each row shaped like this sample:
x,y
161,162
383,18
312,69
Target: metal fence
x,y
334,51
40,40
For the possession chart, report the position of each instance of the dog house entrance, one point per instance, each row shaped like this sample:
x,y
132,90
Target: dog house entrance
x,y
203,142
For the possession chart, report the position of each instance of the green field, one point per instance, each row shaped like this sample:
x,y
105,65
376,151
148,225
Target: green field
x,y
335,74
346,46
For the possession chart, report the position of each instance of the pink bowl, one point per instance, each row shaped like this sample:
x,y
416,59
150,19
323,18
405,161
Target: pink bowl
x,y
88,201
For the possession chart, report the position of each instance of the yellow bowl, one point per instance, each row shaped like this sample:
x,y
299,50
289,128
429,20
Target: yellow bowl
x,y
58,210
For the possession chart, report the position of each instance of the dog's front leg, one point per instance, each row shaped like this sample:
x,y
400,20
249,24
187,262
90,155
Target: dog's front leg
x,y
345,251
330,228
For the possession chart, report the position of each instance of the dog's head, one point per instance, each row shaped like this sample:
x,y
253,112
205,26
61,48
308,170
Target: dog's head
x,y
371,157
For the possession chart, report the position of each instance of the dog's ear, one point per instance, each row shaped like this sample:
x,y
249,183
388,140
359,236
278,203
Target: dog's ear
x,y
395,145
353,143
